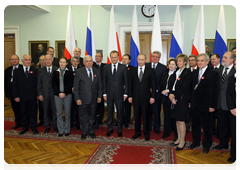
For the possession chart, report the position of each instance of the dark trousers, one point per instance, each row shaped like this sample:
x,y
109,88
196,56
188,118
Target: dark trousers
x,y
74,114
201,118
87,114
156,109
41,114
214,117
233,135
127,112
169,123
17,112
223,127
100,112
144,109
49,112
29,113
119,105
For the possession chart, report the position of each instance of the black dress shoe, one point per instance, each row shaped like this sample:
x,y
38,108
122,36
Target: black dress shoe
x,y
97,126
135,136
35,131
231,160
55,130
60,135
119,134
40,123
23,131
179,149
16,126
67,134
92,135
205,150
147,137
47,130
157,132
192,146
174,144
83,137
165,136
218,147
126,126
109,133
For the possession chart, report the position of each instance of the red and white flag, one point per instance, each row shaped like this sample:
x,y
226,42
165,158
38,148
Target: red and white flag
x,y
113,41
199,38
70,37
156,44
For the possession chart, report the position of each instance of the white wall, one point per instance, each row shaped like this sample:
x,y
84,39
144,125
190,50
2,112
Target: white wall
x,y
51,26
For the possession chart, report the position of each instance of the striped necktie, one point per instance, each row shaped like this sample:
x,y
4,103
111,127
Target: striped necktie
x,y
224,76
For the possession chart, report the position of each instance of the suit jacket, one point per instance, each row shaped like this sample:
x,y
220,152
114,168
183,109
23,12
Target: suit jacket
x,y
206,93
44,83
222,103
115,87
101,67
219,66
159,70
67,80
182,87
79,65
55,62
231,93
7,82
140,91
85,89
25,89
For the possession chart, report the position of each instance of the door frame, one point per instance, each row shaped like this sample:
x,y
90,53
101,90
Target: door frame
x,y
123,28
14,30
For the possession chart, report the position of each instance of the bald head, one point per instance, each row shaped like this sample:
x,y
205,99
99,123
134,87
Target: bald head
x,y
77,52
26,60
14,60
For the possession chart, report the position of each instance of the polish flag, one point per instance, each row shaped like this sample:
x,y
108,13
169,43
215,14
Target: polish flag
x,y
90,43
70,37
220,45
177,36
134,45
113,41
199,38
156,44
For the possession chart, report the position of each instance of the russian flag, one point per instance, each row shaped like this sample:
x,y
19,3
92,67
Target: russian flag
x,y
177,36
113,41
70,37
90,43
134,45
156,44
220,45
199,38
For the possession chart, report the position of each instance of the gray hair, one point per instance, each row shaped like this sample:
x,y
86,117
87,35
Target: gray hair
x,y
74,57
87,56
157,52
193,56
206,56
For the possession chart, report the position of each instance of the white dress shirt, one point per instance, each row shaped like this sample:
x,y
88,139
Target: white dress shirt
x,y
116,65
143,68
229,69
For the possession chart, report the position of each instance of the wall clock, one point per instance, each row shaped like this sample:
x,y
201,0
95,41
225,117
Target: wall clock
x,y
148,10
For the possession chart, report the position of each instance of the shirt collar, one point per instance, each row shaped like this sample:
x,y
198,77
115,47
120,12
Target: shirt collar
x,y
217,66
59,69
204,69
88,68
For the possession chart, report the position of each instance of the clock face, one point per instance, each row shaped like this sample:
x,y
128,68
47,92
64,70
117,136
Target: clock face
x,y
148,10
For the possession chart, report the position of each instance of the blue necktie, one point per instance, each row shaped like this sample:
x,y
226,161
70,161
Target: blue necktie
x,y
114,71
26,73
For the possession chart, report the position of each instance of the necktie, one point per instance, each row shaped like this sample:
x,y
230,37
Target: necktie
x,y
74,69
224,76
215,68
13,70
154,66
49,72
114,71
26,72
200,75
141,74
90,74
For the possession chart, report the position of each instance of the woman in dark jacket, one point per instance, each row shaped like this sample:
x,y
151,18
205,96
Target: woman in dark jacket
x,y
179,95
62,83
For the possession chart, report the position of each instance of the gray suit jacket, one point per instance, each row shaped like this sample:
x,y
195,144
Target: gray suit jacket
x,y
85,89
222,103
44,82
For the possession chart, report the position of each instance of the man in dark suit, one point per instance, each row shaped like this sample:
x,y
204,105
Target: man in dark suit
x,y
100,106
142,80
76,53
25,92
8,81
223,112
50,50
45,94
74,108
156,106
115,90
215,61
126,59
204,98
87,92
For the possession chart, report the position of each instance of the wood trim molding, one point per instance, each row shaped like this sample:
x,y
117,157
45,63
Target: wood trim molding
x,y
14,30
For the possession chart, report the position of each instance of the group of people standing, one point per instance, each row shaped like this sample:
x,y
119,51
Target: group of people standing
x,y
82,86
